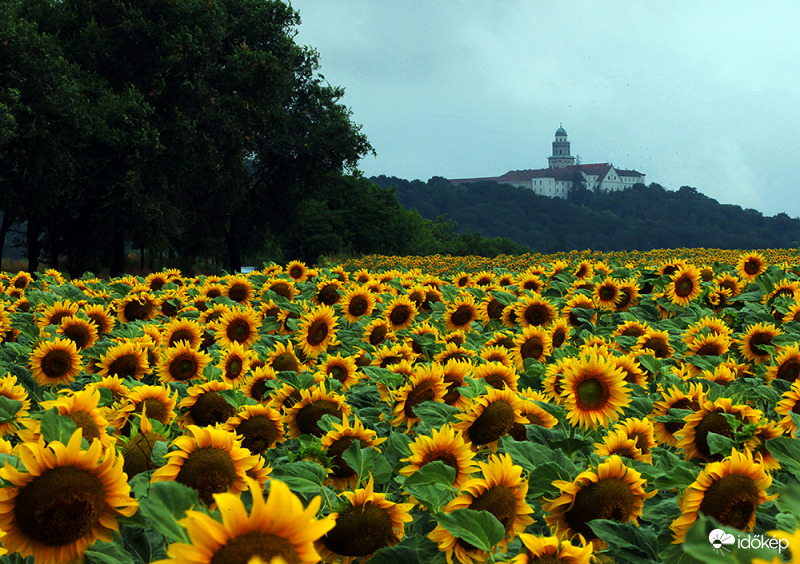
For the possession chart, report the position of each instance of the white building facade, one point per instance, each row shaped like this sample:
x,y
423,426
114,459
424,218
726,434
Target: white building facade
x,y
562,173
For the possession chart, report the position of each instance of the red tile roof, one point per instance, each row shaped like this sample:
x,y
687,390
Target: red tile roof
x,y
565,173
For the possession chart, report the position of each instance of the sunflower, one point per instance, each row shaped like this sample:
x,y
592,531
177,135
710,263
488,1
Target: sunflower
x,y
631,369
444,444
338,440
260,427
80,331
501,491
619,444
20,281
629,295
684,286
534,311
342,369
126,360
239,289
786,365
693,436
584,270
606,293
238,325
533,342
497,374
594,391
553,382
426,384
751,265
529,281
489,417
302,418
10,389
156,401
205,406
235,362
55,362
367,523
400,313
613,491
280,286
357,303
297,271
655,343
496,353
255,384
55,313
578,302
209,460
376,332
183,329
757,444
181,363
460,313
316,331
138,451
453,372
674,398
788,404
730,491
65,500
275,530
137,306
283,358
533,415
328,292
752,339
82,407
490,309
553,550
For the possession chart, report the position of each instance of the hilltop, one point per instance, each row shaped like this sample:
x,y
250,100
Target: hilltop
x,y
639,218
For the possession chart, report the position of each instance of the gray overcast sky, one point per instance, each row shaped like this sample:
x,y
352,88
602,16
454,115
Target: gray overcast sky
x,y
699,93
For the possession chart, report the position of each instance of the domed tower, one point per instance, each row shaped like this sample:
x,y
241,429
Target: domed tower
x,y
561,157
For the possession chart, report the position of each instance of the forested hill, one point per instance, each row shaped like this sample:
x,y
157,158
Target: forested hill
x,y
643,217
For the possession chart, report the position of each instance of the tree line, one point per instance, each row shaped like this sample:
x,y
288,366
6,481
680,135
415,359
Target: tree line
x,y
640,218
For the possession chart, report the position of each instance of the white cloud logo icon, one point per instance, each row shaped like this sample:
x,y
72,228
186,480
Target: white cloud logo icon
x,y
719,539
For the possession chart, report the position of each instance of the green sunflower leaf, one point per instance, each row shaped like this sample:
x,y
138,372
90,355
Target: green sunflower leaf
x,y
57,427
719,444
367,462
629,543
164,504
114,552
481,529
432,485
301,476
787,451
9,409
435,414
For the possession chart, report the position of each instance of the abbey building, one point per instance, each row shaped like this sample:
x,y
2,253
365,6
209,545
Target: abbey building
x,y
562,172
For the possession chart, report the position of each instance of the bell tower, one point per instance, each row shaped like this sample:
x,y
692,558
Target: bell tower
x,y
561,157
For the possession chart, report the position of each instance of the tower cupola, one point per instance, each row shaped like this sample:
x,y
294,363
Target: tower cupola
x,y
561,157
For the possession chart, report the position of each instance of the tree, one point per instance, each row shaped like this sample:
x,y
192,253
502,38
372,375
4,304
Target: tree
x,y
578,193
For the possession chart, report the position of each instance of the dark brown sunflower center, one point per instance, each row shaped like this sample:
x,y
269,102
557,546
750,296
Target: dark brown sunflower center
x,y
608,293
57,363
532,348
624,298
685,403
182,335
445,456
317,332
156,409
495,421
400,315
328,295
102,324
87,425
259,433
559,335
208,470
592,393
357,306
496,379
752,266
758,339
239,292
538,314
731,500
56,318
241,548
711,422
233,368
359,531
60,506
462,315
337,372
658,346
78,334
424,390
309,415
340,468
125,365
501,502
684,286
183,367
296,272
285,362
494,310
138,453
211,408
378,335
710,349
238,330
282,289
610,498
789,369
136,309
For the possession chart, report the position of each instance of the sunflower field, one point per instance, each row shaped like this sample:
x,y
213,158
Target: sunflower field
x,y
573,408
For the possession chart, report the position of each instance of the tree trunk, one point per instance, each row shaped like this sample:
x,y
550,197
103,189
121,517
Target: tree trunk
x,y
232,241
34,246
117,267
6,225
